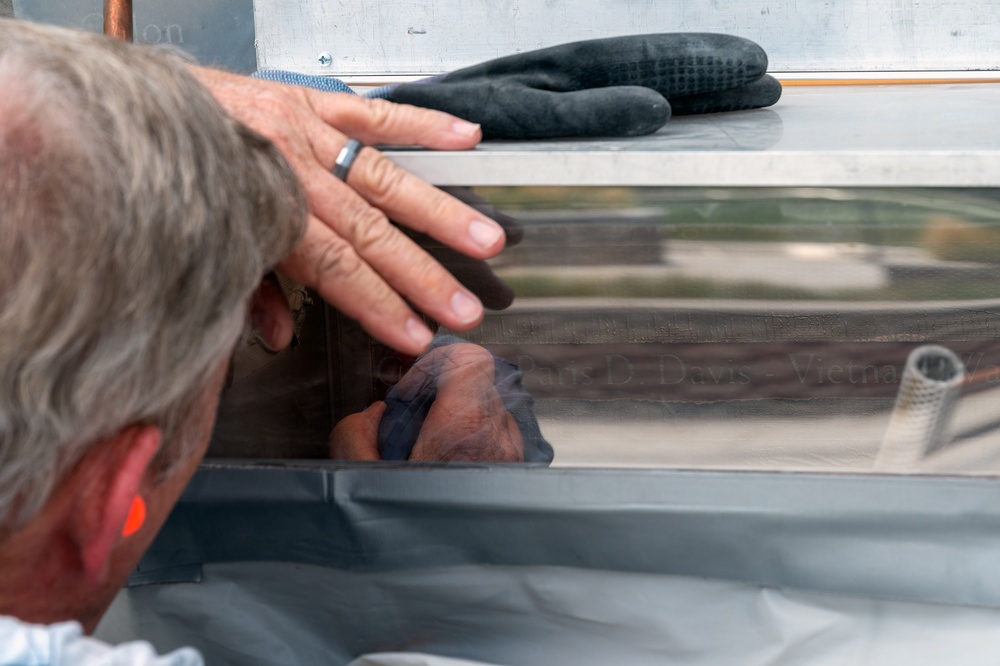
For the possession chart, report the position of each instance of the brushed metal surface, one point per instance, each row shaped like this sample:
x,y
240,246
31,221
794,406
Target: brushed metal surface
x,y
399,37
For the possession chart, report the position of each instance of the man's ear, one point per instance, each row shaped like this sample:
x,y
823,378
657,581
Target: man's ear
x,y
270,315
110,483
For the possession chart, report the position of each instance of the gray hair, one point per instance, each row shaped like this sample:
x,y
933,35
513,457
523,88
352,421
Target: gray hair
x,y
136,218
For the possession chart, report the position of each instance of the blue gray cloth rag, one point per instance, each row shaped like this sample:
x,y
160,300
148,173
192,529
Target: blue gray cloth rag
x,y
403,418
324,83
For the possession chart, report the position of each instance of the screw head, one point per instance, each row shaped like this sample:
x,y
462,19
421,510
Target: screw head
x,y
325,59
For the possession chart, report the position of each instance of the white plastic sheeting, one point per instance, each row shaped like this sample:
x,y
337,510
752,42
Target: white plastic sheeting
x,y
290,615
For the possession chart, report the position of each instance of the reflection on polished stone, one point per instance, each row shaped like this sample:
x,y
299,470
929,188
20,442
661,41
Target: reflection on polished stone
x,y
720,328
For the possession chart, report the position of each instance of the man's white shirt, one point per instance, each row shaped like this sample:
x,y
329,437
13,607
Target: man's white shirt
x,y
64,644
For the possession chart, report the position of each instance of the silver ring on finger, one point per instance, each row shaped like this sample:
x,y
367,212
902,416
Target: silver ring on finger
x,y
345,159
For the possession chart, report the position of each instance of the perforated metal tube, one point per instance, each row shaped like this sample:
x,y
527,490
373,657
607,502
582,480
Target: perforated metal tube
x,y
920,418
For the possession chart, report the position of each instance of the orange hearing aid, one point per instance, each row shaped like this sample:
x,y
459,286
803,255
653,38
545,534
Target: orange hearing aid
x,y
136,517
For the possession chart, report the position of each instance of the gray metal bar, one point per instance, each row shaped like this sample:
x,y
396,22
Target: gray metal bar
x,y
926,539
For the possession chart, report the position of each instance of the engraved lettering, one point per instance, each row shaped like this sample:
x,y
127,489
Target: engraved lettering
x,y
526,363
620,361
152,34
175,29
972,361
680,370
801,373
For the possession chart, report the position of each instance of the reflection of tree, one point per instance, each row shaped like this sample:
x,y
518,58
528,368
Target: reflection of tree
x,y
952,239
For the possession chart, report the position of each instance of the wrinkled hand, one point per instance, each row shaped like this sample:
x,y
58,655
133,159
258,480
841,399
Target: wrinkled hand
x,y
466,422
475,274
351,254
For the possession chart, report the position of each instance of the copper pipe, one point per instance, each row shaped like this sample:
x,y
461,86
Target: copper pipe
x,y
118,19
879,82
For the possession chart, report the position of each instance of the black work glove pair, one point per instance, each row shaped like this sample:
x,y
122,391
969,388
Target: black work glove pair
x,y
620,86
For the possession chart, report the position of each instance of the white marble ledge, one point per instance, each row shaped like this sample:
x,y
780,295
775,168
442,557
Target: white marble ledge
x,y
931,135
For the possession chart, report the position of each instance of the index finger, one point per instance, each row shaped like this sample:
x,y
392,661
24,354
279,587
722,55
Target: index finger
x,y
398,194
329,263
377,121
411,201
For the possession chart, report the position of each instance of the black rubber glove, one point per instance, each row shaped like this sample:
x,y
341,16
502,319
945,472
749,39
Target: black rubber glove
x,y
620,86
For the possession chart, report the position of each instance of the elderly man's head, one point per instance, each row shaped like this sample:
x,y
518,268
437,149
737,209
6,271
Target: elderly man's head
x,y
136,218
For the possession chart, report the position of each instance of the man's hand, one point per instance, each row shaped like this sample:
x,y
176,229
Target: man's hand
x,y
466,422
351,254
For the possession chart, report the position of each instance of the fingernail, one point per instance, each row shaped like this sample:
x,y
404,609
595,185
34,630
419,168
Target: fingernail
x,y
419,332
485,234
464,128
466,307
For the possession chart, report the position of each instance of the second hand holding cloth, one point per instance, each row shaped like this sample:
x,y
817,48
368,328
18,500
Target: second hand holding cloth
x,y
463,421
619,86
